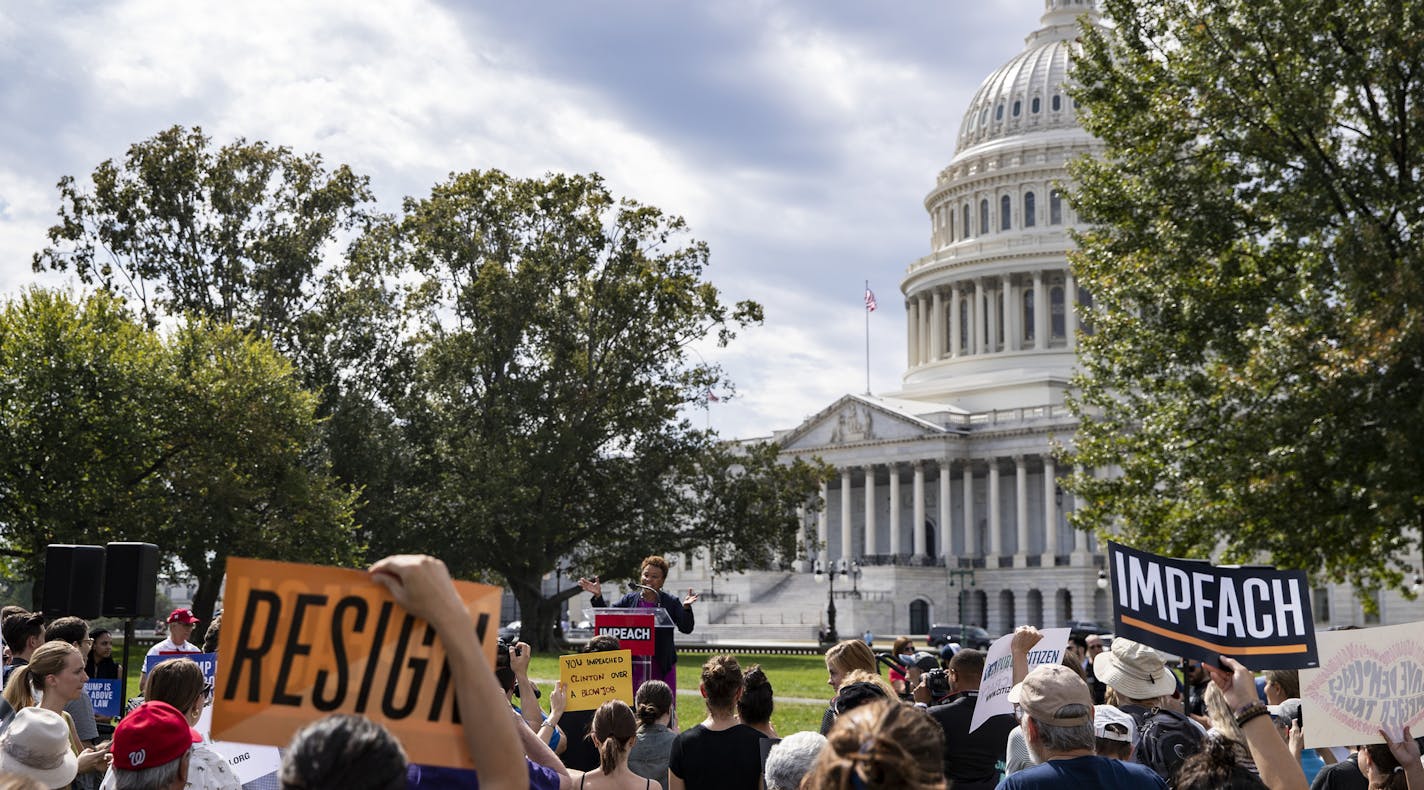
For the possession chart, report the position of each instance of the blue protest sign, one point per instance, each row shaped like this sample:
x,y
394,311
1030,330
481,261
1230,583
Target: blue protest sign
x,y
106,695
208,662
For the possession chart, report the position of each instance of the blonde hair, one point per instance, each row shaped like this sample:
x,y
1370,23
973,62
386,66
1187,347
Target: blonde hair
x,y
849,655
881,745
861,676
26,685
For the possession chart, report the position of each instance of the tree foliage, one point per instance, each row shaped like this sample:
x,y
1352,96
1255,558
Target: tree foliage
x,y
548,328
199,442
1254,381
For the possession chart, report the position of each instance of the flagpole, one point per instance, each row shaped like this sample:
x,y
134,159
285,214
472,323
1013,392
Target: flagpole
x,y
867,342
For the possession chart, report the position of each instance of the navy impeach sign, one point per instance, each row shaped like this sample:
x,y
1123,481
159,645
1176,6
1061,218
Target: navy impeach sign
x,y
1259,616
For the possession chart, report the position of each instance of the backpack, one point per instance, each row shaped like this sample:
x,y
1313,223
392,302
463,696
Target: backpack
x,y
1165,739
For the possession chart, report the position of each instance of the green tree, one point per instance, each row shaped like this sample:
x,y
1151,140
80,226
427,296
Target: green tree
x,y
203,443
547,362
1253,383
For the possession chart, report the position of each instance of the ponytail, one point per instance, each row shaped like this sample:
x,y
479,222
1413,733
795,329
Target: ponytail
x,y
613,726
18,691
26,684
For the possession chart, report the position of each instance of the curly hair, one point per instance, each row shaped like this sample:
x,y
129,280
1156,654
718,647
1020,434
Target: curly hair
x,y
657,562
722,680
1215,766
881,745
343,752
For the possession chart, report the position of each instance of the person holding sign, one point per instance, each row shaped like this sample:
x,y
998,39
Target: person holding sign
x,y
180,683
650,595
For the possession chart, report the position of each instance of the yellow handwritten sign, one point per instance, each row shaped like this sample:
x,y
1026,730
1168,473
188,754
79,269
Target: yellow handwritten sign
x,y
299,642
595,678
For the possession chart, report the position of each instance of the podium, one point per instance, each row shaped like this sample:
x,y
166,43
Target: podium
x,y
635,629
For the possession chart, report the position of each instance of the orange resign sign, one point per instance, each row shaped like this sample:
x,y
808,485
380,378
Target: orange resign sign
x,y
299,642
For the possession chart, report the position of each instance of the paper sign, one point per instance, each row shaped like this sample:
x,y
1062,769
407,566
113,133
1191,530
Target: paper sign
x,y
249,761
106,695
1258,616
633,631
207,662
999,671
1368,679
302,641
595,678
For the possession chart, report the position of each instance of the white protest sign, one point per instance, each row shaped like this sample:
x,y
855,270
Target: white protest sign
x,y
999,671
1368,679
249,761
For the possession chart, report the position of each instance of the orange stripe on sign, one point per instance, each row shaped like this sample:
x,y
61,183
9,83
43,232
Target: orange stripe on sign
x,y
1231,651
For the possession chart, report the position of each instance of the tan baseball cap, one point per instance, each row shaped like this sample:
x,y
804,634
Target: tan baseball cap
x,y
1047,690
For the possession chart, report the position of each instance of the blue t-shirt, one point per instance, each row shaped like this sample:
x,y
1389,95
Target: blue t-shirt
x,y
1081,772
429,777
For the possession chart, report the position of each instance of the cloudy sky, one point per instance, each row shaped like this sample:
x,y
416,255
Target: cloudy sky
x,y
798,137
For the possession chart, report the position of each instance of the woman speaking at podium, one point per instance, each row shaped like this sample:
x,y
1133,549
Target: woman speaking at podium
x,y
649,595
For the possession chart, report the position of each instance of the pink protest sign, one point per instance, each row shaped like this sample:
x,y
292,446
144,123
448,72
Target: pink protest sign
x,y
1368,679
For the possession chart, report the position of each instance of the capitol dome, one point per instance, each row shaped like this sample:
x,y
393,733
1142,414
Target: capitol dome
x,y
992,311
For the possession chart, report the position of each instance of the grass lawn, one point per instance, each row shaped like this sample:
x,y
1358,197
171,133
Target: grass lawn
x,y
790,676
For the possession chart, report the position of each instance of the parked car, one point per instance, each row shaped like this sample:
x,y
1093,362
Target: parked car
x,y
1084,628
966,635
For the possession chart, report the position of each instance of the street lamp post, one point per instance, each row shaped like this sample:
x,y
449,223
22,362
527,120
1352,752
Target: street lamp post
x,y
965,577
831,634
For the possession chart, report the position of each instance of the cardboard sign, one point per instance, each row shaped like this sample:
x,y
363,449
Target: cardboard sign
x,y
634,631
999,671
594,678
301,641
1368,680
106,695
1258,616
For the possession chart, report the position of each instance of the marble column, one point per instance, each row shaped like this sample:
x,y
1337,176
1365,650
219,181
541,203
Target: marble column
x,y
925,338
1021,510
870,547
971,530
1040,312
955,338
1070,309
1013,331
936,326
946,538
912,325
894,509
823,527
847,548
991,317
917,530
1050,510
976,322
996,516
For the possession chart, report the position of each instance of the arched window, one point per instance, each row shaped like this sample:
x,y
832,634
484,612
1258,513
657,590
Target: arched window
x,y
1018,107
981,609
1028,314
1065,607
999,113
963,325
984,116
1035,105
1057,102
1029,219
949,215
1007,619
1034,615
1055,312
983,216
1006,213
967,226
1055,208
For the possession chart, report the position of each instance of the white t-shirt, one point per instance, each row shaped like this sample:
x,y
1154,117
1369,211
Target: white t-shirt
x,y
167,646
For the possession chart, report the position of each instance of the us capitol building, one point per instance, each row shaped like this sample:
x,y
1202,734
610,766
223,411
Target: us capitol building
x,y
948,502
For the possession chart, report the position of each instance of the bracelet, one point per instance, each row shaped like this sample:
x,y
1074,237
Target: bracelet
x,y
1249,713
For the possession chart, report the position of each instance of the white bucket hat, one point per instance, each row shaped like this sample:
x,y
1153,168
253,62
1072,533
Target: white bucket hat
x,y
1134,670
36,745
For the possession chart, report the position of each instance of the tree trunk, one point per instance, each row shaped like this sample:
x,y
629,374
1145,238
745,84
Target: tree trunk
x,y
539,616
205,598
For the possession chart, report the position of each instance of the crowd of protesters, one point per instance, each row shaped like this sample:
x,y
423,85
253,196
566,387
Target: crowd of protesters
x,y
1114,713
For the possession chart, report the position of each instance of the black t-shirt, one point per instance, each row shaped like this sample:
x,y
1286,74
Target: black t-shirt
x,y
971,759
580,754
1344,775
716,759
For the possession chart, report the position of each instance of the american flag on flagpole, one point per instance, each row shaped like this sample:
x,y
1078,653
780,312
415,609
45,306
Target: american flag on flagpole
x,y
869,301
712,396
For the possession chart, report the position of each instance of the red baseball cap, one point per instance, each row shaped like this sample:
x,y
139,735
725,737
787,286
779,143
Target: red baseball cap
x,y
153,734
183,616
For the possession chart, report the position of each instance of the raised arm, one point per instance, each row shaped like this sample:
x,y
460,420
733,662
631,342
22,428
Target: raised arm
x,y
1278,769
421,585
